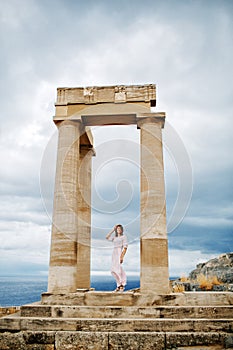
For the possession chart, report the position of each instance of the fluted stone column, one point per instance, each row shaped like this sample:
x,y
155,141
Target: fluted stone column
x,y
154,248
84,218
63,254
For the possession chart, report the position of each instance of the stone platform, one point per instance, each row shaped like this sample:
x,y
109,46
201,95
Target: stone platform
x,y
130,320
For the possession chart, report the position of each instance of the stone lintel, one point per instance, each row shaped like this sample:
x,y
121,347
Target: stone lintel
x,y
101,119
109,119
116,119
106,94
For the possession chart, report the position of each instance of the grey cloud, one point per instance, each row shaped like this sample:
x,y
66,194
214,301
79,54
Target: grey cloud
x,y
206,238
183,47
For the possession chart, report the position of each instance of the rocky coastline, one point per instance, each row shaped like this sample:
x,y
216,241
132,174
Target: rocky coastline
x,y
221,267
215,274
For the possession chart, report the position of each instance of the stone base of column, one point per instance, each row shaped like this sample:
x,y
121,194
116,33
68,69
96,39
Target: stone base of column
x,y
64,284
154,266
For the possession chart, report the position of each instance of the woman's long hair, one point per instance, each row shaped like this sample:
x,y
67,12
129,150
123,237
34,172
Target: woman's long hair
x,y
122,230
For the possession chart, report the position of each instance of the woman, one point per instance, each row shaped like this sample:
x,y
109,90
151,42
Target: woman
x,y
119,250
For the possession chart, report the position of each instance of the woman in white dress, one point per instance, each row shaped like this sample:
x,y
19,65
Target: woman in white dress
x,y
119,250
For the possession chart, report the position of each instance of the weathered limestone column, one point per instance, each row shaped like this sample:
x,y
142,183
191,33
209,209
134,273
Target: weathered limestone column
x,y
84,218
63,254
154,248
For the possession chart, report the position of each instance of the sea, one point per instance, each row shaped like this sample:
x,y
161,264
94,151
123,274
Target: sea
x,y
21,290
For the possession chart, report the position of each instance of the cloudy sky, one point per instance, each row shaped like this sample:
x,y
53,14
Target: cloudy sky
x,y
186,49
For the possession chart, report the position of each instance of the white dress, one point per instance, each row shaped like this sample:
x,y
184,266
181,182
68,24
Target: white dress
x,y
119,242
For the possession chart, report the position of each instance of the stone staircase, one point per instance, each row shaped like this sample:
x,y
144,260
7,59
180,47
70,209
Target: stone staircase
x,y
130,320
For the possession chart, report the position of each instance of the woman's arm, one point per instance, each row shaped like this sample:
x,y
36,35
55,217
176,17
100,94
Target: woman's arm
x,y
109,234
123,254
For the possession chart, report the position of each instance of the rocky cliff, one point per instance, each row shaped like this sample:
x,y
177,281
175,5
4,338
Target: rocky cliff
x,y
221,267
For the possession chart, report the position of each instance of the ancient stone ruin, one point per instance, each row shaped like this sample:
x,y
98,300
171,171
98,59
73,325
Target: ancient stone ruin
x,y
76,110
71,316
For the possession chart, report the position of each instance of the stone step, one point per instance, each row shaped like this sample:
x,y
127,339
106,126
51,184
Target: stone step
x,y
64,340
16,323
131,298
222,312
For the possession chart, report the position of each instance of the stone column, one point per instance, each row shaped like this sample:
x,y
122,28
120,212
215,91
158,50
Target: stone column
x,y
84,218
154,248
63,253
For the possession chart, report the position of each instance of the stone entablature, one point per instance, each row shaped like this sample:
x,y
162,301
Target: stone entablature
x,y
107,94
